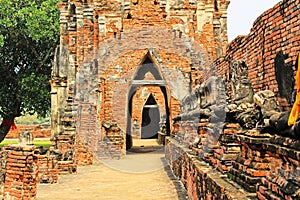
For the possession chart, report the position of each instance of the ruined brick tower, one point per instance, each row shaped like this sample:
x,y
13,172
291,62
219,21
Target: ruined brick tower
x,y
123,67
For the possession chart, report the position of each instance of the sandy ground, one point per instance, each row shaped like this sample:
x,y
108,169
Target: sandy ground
x,y
143,174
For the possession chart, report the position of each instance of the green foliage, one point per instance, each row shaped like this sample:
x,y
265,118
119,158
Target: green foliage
x,y
37,142
230,176
1,40
43,143
31,119
6,142
37,19
29,33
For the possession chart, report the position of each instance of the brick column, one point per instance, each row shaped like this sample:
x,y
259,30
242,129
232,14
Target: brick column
x,y
21,172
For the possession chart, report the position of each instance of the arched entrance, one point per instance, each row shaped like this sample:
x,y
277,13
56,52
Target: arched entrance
x,y
150,119
150,113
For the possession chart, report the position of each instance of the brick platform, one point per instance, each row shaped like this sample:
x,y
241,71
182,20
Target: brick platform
x,y
200,180
48,169
21,172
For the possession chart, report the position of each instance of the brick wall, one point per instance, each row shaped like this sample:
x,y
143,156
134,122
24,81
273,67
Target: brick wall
x,y
38,131
200,180
21,172
103,45
265,167
23,166
48,169
282,178
262,163
269,50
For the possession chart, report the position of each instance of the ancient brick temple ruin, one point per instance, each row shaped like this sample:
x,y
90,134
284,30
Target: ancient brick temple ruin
x,y
142,68
122,68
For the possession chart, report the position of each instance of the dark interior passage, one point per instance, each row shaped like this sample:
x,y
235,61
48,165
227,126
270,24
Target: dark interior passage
x,y
150,119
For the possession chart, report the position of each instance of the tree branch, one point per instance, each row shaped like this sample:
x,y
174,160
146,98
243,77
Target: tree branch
x,y
7,122
46,58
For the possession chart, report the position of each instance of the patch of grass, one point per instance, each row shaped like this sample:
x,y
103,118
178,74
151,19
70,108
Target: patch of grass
x,y
230,176
6,142
43,143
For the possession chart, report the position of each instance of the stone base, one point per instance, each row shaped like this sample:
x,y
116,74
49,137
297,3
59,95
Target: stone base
x,y
21,172
67,167
161,138
200,180
48,169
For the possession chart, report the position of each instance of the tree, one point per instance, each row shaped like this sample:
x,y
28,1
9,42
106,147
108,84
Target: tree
x,y
29,33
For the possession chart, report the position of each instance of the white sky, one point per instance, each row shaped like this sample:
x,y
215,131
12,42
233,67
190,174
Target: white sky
x,y
242,14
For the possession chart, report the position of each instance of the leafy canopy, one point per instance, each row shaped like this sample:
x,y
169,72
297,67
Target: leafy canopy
x,y
29,32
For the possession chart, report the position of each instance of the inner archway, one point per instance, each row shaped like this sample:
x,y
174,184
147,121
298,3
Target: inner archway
x,y
147,77
150,119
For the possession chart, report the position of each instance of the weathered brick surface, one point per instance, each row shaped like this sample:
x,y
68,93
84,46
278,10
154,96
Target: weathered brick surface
x,y
21,172
282,179
252,163
22,167
102,46
48,169
257,162
64,145
266,164
67,167
82,155
93,140
200,180
38,131
273,37
228,149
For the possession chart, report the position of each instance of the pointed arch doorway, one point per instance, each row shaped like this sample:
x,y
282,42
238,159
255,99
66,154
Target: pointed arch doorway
x,y
150,112
150,119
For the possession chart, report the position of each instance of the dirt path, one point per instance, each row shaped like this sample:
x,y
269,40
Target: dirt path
x,y
141,175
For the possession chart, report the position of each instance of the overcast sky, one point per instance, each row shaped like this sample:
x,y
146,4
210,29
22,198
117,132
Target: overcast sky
x,y
242,14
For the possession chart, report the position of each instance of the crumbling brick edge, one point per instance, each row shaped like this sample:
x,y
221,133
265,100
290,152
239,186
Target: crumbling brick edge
x,y
200,180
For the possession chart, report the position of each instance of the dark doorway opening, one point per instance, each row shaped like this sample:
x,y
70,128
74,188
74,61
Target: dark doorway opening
x,y
150,119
